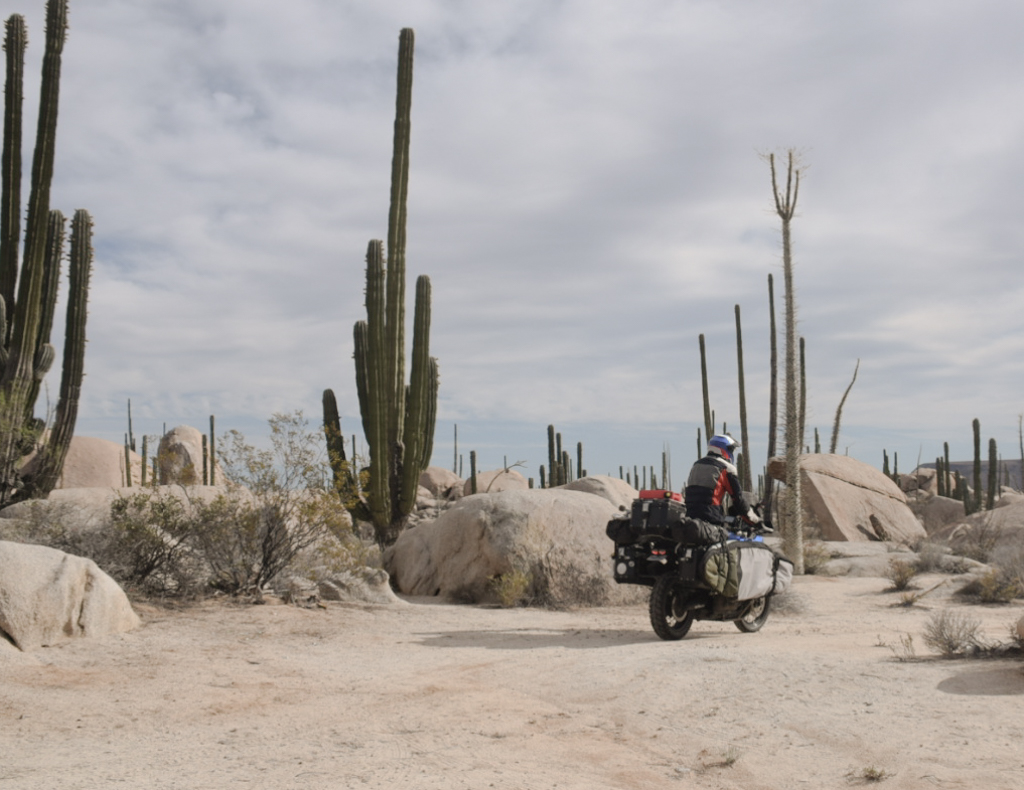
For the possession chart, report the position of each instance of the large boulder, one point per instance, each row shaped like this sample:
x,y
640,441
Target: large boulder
x,y
555,538
989,533
618,492
47,596
498,480
70,516
938,512
94,463
850,500
180,457
442,483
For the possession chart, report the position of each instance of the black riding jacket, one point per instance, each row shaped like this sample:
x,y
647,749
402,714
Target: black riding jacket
x,y
711,478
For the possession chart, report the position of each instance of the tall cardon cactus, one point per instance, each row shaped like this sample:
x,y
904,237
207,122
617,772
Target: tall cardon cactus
x,y
398,419
28,289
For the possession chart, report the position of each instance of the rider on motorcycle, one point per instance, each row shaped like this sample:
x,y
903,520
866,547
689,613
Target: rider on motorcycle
x,y
711,478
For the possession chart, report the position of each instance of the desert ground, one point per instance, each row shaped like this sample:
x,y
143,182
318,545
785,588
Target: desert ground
x,y
427,695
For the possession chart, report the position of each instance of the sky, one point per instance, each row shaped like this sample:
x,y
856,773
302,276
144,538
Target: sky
x,y
588,194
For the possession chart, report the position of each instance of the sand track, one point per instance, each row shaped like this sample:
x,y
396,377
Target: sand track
x,y
434,696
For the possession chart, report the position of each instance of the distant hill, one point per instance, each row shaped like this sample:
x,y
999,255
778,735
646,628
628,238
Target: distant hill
x,y
1009,471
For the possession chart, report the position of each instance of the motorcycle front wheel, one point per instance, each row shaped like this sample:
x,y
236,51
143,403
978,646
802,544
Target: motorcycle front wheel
x,y
669,615
756,616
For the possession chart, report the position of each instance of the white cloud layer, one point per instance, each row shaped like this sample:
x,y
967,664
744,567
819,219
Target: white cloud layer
x,y
585,194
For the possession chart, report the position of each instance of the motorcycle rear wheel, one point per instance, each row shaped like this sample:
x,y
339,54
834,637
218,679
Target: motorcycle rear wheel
x,y
669,616
756,616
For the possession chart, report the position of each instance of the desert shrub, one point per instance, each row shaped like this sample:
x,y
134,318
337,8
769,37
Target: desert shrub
x,y
978,541
150,541
815,556
900,573
248,541
512,588
566,586
280,504
59,526
997,586
1011,565
929,557
952,633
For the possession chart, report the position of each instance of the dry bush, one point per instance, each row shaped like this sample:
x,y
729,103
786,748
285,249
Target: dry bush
x,y
152,536
929,557
900,573
789,602
566,586
997,586
512,588
978,541
815,556
1011,565
953,633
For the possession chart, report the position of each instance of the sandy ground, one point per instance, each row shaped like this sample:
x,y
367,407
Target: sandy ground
x,y
434,696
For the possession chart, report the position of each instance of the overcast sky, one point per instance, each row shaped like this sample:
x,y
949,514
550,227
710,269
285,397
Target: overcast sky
x,y
587,194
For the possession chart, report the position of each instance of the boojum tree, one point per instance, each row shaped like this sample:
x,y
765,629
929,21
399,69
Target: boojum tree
x,y
785,207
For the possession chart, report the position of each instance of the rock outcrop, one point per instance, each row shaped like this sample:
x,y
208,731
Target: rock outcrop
x,y
849,500
618,492
47,596
180,457
95,463
442,483
498,480
555,538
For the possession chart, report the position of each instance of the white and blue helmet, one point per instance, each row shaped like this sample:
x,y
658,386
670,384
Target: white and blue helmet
x,y
725,444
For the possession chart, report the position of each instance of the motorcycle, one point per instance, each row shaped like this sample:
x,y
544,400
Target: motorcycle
x,y
656,545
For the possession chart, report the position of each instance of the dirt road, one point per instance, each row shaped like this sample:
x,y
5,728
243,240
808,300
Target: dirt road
x,y
435,696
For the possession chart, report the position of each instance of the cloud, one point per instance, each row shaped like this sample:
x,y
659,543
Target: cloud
x,y
586,195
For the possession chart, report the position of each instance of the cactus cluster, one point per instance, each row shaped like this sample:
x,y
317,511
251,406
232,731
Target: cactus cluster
x,y
398,419
29,278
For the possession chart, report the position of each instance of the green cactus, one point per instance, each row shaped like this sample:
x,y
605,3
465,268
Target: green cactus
x,y
744,459
945,466
213,452
993,475
976,505
145,460
398,419
709,419
472,471
28,292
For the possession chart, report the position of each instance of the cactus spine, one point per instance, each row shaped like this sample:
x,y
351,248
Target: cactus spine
x,y
398,419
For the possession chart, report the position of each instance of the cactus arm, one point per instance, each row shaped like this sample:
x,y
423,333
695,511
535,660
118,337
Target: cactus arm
x,y
56,448
395,370
431,420
27,312
48,307
335,440
418,400
15,41
374,369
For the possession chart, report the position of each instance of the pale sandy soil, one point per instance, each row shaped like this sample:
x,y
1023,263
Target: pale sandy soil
x,y
436,696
